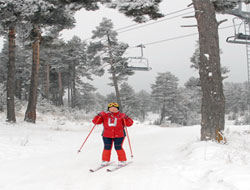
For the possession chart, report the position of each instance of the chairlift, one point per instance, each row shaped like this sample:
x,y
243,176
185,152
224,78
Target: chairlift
x,y
136,62
239,37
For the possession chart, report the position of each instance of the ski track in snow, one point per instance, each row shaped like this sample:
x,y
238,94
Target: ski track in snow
x,y
44,157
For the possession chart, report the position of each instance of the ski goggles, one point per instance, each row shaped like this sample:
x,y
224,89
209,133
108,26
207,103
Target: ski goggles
x,y
113,104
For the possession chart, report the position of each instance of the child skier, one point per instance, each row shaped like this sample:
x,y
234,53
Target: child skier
x,y
113,123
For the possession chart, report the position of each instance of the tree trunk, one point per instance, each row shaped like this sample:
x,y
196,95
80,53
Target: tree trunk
x,y
213,100
60,88
46,89
11,77
117,92
30,114
19,88
69,89
163,114
73,86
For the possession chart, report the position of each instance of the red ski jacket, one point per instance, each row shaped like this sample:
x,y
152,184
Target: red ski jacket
x,y
113,123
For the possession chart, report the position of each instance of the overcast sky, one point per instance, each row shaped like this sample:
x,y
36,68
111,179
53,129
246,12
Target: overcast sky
x,y
173,56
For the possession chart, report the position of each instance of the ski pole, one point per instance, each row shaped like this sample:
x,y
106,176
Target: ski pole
x,y
128,140
88,136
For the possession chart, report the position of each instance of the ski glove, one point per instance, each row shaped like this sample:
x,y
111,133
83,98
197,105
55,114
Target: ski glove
x,y
101,114
125,117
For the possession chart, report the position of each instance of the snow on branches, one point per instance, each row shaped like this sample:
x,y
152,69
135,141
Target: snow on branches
x,y
222,5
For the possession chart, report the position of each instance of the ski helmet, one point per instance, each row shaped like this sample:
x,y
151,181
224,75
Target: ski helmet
x,y
113,104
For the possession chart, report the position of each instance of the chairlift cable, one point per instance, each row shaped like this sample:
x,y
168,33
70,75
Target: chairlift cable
x,y
125,27
122,28
170,39
155,22
178,37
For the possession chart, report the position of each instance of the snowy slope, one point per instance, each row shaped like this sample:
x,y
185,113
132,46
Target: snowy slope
x,y
44,157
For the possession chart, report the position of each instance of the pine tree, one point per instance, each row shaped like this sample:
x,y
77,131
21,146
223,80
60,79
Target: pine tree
x,y
8,22
86,96
236,97
51,53
31,15
100,102
3,63
193,93
55,17
23,64
139,10
112,52
144,103
164,94
129,100
2,104
213,100
81,62
110,98
74,55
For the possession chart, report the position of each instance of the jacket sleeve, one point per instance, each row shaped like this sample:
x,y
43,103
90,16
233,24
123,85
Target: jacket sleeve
x,y
98,119
127,121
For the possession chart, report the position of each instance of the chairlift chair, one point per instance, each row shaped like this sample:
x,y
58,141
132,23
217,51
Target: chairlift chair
x,y
134,61
239,38
140,61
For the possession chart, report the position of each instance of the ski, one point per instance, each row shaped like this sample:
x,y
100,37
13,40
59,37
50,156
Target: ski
x,y
118,167
100,167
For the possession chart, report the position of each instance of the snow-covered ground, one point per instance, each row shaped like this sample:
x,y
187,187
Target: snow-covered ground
x,y
44,157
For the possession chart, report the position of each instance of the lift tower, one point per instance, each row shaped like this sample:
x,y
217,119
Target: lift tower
x,y
239,37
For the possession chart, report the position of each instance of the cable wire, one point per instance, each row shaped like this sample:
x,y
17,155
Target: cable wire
x,y
178,37
122,28
157,21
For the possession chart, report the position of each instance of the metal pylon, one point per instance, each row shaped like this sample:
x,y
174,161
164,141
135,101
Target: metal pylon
x,y
247,32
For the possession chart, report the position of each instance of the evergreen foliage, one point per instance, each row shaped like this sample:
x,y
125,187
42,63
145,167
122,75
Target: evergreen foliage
x,y
222,5
77,61
117,49
236,97
164,94
129,100
145,104
139,10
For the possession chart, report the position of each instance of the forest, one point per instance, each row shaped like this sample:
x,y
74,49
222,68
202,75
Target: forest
x,y
38,66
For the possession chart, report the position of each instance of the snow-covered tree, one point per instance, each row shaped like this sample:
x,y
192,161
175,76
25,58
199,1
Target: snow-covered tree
x,y
144,103
80,61
129,100
101,102
213,100
112,54
53,17
32,15
74,55
3,62
236,97
165,93
8,22
2,96
51,53
195,60
110,98
139,10
22,64
86,98
192,100
222,5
